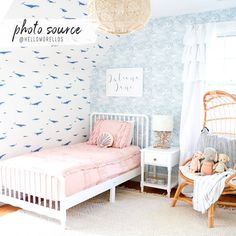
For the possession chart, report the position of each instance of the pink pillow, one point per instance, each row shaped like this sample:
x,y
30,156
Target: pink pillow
x,y
120,130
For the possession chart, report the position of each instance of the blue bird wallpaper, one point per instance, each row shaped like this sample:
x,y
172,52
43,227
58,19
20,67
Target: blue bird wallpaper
x,y
45,91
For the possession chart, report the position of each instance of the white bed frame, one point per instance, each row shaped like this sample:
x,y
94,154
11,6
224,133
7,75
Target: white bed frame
x,y
54,205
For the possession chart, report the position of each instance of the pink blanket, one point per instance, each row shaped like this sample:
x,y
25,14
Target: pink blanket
x,y
82,165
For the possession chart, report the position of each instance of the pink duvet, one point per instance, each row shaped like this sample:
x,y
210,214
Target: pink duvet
x,y
82,165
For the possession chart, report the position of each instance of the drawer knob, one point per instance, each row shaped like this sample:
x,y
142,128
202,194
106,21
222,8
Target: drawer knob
x,y
154,159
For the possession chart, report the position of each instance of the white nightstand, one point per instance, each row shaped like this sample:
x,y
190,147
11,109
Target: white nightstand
x,y
155,157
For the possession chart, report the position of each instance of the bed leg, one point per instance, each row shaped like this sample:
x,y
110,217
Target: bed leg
x,y
113,194
63,219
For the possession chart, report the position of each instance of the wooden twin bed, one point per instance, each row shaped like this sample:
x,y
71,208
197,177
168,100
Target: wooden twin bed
x,y
51,181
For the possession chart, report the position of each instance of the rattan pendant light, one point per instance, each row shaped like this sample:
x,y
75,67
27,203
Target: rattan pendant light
x,y
120,16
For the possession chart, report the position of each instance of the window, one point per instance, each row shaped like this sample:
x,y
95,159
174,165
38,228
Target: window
x,y
221,64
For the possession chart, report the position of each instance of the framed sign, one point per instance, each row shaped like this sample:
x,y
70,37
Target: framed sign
x,y
124,82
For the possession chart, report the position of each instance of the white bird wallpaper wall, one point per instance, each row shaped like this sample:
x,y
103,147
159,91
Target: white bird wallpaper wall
x,y
45,96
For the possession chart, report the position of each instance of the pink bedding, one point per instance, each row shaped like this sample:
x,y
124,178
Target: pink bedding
x,y
82,165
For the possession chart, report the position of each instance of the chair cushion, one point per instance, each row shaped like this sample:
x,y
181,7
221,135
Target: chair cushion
x,y
222,144
193,176
233,182
185,171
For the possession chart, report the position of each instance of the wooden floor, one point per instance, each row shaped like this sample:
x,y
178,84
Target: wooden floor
x,y
5,209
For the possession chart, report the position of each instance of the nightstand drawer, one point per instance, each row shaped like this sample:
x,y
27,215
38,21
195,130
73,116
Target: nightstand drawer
x,y
153,158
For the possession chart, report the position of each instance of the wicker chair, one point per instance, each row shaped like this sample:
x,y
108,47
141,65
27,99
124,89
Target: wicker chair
x,y
220,119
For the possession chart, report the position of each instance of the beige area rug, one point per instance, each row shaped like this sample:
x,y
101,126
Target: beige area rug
x,y
133,213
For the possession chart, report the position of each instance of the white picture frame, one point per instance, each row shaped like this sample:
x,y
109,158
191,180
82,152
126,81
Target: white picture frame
x,y
124,82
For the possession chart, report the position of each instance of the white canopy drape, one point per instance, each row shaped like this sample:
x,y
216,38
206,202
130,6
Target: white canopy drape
x,y
196,40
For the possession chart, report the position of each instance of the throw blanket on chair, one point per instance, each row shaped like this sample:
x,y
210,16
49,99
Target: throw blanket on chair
x,y
207,190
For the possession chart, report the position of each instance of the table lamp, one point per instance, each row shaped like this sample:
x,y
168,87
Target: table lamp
x,y
162,125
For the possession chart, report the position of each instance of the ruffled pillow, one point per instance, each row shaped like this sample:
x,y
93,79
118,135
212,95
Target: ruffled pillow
x,y
120,130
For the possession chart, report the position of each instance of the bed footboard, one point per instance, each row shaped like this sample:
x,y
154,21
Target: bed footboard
x,y
33,191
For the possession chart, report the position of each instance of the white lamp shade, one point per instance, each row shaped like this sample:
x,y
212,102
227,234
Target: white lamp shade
x,y
162,122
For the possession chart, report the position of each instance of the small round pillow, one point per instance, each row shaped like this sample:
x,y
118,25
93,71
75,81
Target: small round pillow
x,y
105,140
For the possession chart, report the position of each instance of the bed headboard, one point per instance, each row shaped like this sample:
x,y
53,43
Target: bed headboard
x,y
220,113
141,125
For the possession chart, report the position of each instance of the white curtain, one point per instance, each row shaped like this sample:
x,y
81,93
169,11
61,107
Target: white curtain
x,y
196,41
